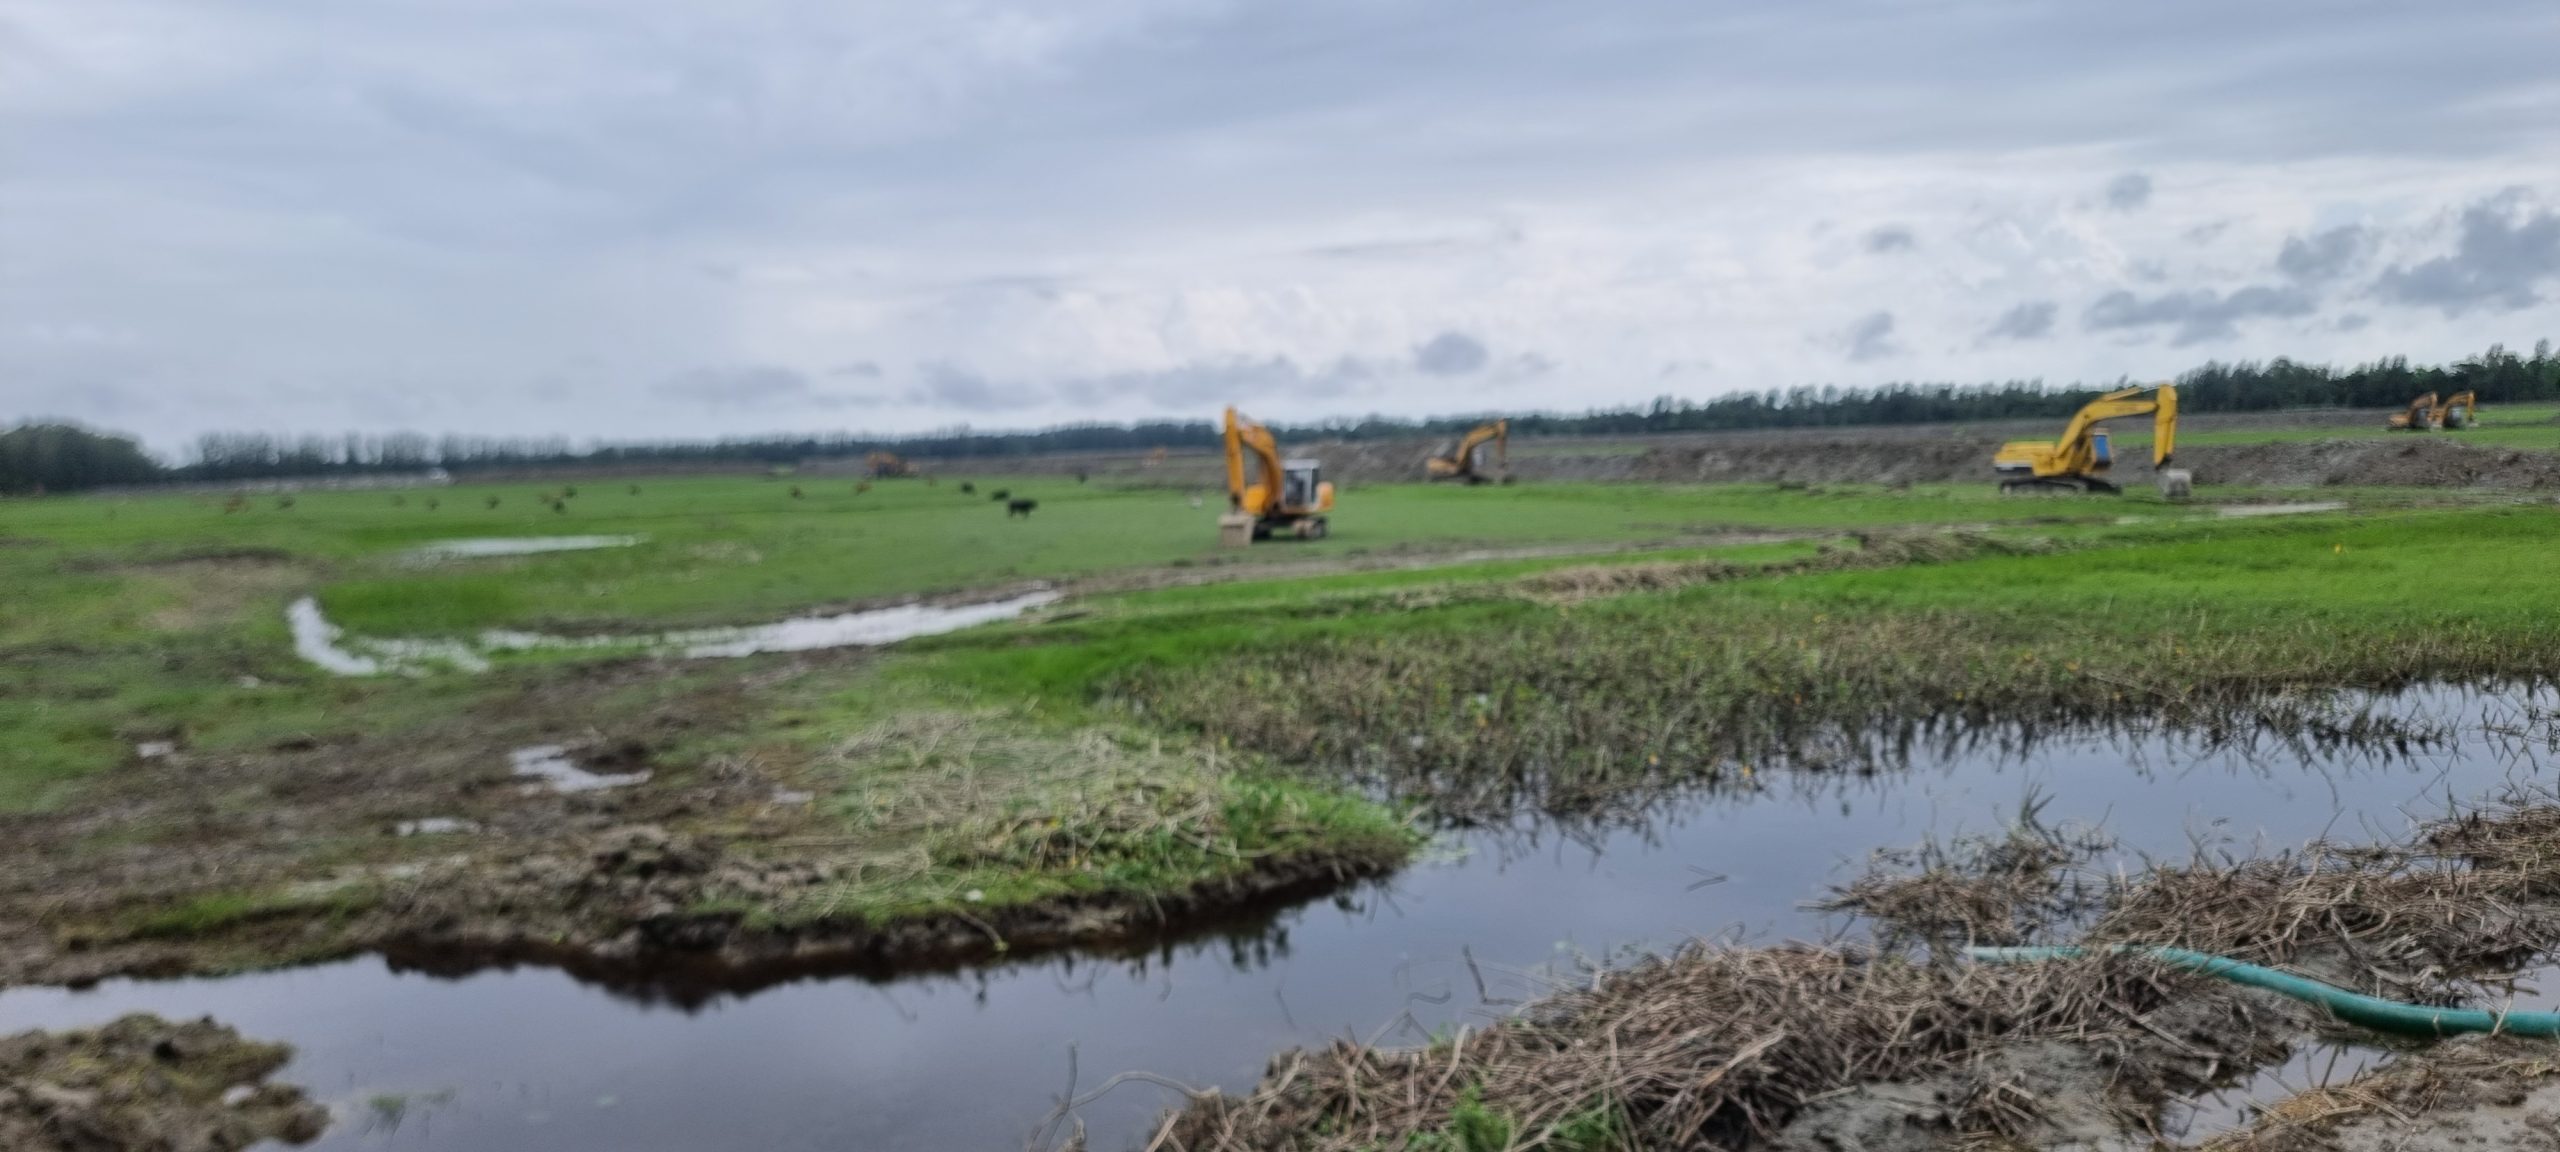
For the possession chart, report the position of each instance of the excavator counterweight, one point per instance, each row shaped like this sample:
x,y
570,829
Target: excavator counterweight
x,y
2079,460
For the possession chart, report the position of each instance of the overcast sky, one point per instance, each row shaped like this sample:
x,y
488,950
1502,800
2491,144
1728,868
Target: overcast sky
x,y
668,218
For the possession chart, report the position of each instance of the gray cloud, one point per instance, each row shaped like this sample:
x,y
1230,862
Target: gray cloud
x,y
1451,354
1206,384
858,370
2197,316
2029,321
2506,251
2129,191
1870,337
2353,322
947,385
740,385
2324,256
1892,238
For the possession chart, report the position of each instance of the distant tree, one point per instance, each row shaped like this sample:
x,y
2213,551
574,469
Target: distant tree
x,y
67,458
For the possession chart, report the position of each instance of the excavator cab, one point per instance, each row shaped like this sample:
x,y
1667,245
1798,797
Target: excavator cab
x,y
1300,480
2104,455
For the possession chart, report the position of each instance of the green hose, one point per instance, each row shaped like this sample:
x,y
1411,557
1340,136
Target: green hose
x,y
2353,1007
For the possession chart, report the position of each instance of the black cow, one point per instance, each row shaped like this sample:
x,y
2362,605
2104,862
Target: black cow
x,y
1020,508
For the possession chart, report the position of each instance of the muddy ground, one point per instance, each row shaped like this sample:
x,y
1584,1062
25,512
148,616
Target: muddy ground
x,y
424,845
143,1084
1909,454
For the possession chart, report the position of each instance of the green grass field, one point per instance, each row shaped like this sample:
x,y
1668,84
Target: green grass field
x,y
1189,712
728,550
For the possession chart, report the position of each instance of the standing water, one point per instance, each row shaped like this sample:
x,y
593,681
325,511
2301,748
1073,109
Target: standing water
x,y
529,1060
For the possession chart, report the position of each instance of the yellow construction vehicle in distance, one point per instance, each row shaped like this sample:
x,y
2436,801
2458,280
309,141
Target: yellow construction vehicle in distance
x,y
2080,459
1460,463
2462,410
2422,414
887,465
1285,498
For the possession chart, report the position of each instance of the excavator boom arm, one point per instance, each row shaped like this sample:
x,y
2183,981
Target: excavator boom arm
x,y
1243,436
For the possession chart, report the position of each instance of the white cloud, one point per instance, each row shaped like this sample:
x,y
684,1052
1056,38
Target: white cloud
x,y
556,215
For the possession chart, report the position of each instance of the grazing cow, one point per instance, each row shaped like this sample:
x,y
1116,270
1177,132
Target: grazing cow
x,y
1000,494
1020,508
968,489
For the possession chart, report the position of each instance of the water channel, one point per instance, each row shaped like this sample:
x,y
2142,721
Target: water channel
x,y
530,1060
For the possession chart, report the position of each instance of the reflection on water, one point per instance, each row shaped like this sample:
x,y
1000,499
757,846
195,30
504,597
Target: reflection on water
x,y
536,1062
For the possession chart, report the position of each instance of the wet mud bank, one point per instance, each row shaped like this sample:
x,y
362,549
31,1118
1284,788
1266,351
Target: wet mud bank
x,y
642,908
698,956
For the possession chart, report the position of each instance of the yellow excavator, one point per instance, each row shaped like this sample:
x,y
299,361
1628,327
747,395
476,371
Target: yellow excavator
x,y
1287,497
1460,463
2424,413
887,465
2462,410
2079,460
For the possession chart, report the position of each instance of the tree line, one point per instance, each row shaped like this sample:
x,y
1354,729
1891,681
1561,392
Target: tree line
x,y
55,457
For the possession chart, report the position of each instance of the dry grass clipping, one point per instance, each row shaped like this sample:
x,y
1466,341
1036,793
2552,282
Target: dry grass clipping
x,y
1708,1047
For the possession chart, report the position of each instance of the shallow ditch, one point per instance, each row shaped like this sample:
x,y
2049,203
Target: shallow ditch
x,y
529,1059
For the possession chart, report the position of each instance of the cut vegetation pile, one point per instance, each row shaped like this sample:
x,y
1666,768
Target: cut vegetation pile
x,y
1905,1047
143,1084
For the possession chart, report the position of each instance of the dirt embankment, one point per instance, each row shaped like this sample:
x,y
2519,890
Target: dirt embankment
x,y
1902,454
143,1084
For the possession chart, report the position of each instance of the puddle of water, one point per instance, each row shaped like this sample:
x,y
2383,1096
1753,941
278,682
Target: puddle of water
x,y
550,764
154,749
316,640
2312,1066
2244,510
476,547
880,626
1489,918
436,826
